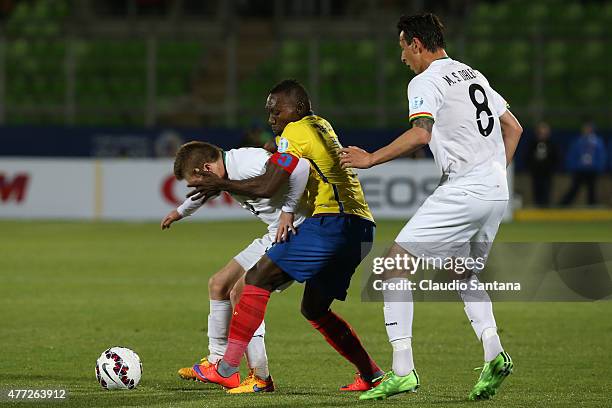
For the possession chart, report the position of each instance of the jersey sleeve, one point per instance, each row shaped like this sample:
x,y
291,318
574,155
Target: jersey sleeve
x,y
297,184
292,145
190,206
247,162
424,99
295,140
499,103
285,161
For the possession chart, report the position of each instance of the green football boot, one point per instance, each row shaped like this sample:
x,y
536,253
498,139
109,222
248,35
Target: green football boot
x,y
392,384
493,374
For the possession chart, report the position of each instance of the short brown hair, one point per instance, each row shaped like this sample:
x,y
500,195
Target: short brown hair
x,y
193,154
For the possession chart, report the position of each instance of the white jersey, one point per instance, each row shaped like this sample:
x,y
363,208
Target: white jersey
x,y
466,138
245,163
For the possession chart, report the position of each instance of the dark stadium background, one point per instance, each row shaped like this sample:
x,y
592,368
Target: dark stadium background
x,y
131,78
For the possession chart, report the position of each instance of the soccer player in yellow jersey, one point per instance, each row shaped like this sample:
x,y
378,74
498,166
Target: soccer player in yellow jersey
x,y
332,189
325,251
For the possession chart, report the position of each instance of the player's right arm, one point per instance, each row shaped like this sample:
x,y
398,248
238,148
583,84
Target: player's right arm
x,y
264,186
511,133
409,141
297,184
425,99
279,168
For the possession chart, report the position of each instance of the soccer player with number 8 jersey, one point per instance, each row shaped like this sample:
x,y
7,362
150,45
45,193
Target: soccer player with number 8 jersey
x,y
473,137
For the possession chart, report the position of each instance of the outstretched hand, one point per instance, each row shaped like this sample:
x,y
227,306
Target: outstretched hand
x,y
355,157
172,217
206,185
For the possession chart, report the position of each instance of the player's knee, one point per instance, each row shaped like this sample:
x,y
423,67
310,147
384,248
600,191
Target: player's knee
x,y
218,287
399,270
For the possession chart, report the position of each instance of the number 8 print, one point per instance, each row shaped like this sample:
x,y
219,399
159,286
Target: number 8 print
x,y
481,107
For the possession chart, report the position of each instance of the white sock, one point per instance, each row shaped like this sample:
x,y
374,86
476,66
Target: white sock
x,y
398,311
479,310
491,344
256,353
218,328
402,356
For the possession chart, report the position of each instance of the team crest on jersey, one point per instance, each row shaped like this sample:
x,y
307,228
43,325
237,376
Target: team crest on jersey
x,y
283,145
416,102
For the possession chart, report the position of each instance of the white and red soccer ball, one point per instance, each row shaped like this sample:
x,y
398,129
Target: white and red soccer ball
x,y
118,368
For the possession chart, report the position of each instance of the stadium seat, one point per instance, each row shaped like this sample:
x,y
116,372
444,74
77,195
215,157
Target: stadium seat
x,y
111,72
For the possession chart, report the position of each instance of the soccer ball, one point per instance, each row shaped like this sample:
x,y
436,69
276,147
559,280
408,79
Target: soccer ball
x,y
118,368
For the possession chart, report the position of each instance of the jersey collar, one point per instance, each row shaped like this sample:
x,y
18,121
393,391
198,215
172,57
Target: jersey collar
x,y
441,59
224,156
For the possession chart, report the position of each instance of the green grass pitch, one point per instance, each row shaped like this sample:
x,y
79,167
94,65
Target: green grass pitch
x,y
69,290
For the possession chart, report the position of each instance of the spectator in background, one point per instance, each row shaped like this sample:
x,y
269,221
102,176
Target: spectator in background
x,y
542,162
586,159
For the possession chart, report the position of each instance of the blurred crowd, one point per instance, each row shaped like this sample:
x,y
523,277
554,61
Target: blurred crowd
x,y
585,160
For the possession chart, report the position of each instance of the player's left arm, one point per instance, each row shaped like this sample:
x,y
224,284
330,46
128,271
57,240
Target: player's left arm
x,y
510,127
297,184
279,168
409,141
511,133
184,210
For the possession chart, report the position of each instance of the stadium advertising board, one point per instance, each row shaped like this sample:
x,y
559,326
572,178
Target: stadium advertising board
x,y
46,188
144,189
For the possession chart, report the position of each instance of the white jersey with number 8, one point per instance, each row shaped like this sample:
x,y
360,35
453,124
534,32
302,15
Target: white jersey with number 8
x,y
466,138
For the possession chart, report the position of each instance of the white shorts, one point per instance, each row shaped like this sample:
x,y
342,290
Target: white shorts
x,y
452,223
253,253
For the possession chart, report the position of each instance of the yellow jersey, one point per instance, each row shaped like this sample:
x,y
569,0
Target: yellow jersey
x,y
330,188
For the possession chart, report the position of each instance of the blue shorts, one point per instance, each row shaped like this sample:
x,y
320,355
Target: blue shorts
x,y
326,251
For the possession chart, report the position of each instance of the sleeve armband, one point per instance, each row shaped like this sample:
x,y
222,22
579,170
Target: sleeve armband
x,y
286,161
419,115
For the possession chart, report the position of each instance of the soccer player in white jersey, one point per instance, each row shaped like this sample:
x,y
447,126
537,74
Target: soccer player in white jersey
x,y
473,137
282,212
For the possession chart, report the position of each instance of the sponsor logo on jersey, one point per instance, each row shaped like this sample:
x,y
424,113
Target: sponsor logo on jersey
x,y
283,145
